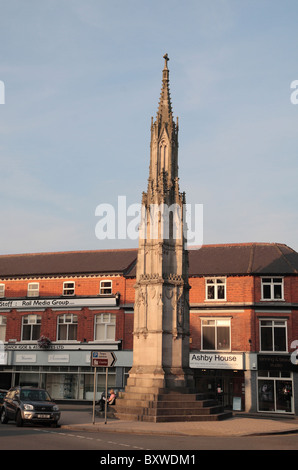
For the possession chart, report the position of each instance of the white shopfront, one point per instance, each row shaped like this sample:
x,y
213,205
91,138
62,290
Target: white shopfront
x,y
220,375
66,374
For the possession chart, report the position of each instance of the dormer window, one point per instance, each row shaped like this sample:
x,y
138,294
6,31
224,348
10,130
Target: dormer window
x,y
2,290
105,288
33,289
68,288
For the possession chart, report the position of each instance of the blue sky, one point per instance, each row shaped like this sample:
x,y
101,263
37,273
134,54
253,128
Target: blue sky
x,y
82,80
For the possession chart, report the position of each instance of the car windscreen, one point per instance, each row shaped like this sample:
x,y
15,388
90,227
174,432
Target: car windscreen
x,y
35,395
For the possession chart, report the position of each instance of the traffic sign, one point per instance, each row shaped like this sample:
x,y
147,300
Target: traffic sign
x,y
103,359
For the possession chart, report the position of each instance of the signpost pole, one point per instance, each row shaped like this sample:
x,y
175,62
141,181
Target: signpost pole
x,y
94,394
102,359
106,402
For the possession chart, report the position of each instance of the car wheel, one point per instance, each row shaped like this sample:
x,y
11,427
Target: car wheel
x,y
19,420
3,418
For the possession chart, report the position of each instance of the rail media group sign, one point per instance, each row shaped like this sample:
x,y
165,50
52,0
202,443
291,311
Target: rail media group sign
x,y
205,360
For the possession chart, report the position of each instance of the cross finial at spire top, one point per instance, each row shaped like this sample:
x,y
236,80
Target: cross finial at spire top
x,y
166,57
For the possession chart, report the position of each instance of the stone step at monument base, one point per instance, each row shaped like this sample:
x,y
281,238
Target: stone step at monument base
x,y
168,406
160,395
174,418
162,406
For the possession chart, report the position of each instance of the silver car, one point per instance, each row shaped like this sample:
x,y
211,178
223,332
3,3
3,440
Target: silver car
x,y
29,404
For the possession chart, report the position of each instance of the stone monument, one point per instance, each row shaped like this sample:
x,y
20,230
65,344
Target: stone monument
x,y
160,372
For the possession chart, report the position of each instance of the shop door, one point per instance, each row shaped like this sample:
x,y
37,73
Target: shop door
x,y
283,396
276,396
5,380
239,390
224,391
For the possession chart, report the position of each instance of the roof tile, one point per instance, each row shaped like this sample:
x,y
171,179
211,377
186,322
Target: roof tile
x,y
209,260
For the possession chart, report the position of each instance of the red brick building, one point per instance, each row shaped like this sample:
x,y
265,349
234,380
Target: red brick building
x,y
55,308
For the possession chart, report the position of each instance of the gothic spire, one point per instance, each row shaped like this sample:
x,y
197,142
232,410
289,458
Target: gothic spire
x,y
164,113
163,172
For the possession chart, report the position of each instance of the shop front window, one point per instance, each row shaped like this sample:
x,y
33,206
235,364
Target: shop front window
x,y
275,394
100,383
62,386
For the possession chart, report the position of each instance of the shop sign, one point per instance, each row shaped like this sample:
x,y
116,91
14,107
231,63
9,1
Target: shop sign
x,y
276,362
233,361
58,358
3,354
58,303
25,358
3,357
29,347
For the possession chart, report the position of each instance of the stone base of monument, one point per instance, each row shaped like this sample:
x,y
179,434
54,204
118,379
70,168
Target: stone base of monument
x,y
167,406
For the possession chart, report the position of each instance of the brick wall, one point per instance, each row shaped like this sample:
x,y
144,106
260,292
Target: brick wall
x,y
241,290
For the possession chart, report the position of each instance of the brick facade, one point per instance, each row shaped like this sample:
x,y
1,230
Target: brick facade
x,y
241,304
241,291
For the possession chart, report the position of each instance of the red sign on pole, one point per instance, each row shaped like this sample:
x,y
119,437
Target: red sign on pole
x,y
100,362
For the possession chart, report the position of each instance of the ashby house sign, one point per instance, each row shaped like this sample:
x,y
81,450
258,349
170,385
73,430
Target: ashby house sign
x,y
216,360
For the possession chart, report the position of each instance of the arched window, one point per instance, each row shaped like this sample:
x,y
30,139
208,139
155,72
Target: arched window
x,y
163,156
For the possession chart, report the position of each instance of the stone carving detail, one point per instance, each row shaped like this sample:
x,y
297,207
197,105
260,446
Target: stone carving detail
x,y
169,293
180,307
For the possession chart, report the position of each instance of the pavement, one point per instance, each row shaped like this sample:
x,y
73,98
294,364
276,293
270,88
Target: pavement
x,y
238,425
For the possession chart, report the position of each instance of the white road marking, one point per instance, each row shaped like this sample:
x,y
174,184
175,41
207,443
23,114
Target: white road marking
x,y
88,438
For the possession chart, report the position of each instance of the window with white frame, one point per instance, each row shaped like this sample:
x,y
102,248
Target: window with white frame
x,y
273,335
33,289
2,327
68,288
216,288
105,327
31,327
216,333
272,288
2,290
105,288
67,327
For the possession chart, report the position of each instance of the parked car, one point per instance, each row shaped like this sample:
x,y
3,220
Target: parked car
x,y
29,404
2,395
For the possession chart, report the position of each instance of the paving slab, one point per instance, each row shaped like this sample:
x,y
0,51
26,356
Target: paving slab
x,y
236,426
